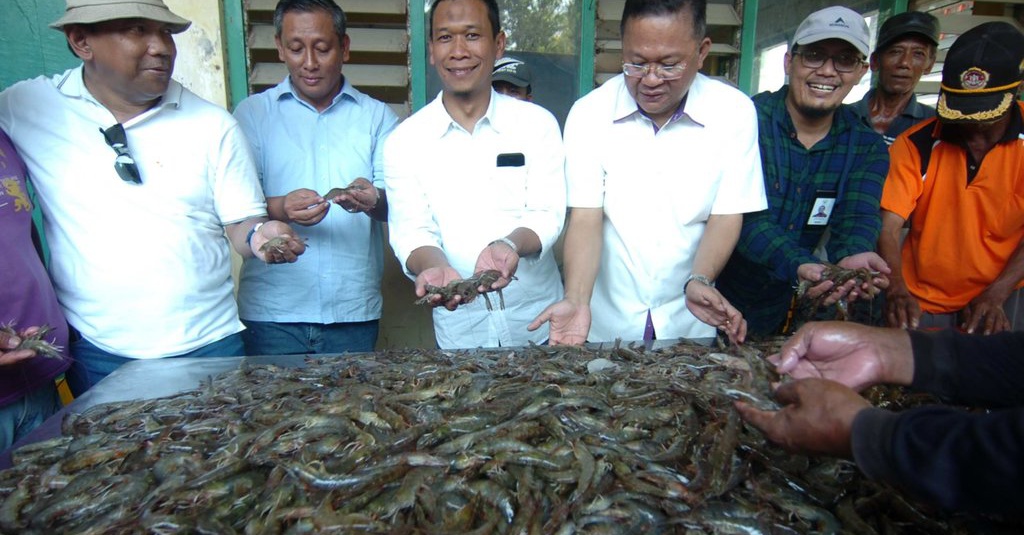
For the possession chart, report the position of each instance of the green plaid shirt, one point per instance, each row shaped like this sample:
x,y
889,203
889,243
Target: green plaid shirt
x,y
852,161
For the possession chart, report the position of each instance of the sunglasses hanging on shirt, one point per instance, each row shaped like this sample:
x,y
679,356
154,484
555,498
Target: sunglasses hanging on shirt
x,y
124,164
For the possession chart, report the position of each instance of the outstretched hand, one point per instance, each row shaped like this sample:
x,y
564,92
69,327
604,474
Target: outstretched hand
x,y
872,262
570,323
710,307
440,277
985,314
854,355
305,207
816,417
276,243
499,257
8,342
359,196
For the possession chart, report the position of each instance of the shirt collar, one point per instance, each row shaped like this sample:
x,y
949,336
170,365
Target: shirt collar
x,y
692,106
913,109
444,123
72,85
286,90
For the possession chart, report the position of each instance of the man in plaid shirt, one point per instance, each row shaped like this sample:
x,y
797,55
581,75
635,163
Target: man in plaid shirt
x,y
823,172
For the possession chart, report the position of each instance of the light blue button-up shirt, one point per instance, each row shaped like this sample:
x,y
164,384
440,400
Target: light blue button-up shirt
x,y
338,278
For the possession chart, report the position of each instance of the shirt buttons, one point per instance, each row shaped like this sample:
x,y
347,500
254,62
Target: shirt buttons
x,y
790,226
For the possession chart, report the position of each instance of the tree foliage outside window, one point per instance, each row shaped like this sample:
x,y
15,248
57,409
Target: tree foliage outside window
x,y
542,25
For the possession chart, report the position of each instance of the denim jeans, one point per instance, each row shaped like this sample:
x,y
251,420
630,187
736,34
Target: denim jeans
x,y
93,364
22,415
269,338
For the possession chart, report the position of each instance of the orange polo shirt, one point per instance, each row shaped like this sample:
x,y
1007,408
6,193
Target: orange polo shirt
x,y
962,232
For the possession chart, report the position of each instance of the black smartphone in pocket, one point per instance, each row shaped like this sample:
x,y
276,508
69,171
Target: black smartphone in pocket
x,y
511,159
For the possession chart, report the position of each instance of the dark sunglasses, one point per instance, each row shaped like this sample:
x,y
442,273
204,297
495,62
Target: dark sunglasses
x,y
124,163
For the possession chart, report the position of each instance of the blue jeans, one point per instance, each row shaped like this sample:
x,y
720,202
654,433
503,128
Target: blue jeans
x,y
92,364
22,415
269,338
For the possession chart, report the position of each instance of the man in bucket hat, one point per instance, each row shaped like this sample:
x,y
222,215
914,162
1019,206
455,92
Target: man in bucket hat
x,y
906,50
139,181
958,179
815,151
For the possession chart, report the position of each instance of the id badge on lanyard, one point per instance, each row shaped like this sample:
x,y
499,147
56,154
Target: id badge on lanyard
x,y
821,210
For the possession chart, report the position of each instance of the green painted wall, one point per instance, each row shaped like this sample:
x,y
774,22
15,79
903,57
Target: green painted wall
x,y
28,47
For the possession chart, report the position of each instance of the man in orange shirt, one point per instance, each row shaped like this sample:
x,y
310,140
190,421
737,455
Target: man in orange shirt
x,y
959,179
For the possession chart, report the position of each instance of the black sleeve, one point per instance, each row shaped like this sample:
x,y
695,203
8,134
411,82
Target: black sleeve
x,y
952,458
976,370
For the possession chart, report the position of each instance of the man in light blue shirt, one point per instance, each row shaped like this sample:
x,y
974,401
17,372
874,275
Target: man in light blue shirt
x,y
312,133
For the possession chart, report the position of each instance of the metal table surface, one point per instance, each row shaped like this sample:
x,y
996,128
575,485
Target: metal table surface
x,y
146,379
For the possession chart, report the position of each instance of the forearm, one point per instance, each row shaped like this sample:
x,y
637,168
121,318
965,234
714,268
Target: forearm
x,y
582,256
764,242
426,257
958,460
1010,277
716,245
889,246
275,208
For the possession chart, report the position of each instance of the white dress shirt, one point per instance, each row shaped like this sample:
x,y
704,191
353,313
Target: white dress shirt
x,y
141,270
657,190
446,190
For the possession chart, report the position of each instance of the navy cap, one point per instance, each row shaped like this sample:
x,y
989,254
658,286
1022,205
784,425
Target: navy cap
x,y
982,73
910,22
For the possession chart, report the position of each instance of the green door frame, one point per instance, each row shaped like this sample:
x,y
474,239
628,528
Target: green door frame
x,y
748,37
237,56
588,35
418,53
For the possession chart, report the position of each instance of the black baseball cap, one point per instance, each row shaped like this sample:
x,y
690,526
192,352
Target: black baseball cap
x,y
909,22
513,71
982,73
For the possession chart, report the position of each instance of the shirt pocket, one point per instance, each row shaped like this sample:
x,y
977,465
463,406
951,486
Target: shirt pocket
x,y
508,187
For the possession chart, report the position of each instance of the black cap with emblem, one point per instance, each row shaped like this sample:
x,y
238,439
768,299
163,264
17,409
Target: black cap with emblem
x,y
982,73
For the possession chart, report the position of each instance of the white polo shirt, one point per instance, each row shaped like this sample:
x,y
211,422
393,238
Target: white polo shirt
x,y
141,270
446,189
657,190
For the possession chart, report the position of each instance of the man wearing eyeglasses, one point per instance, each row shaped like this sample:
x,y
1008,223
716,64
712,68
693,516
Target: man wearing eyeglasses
x,y
143,187
906,50
661,163
815,151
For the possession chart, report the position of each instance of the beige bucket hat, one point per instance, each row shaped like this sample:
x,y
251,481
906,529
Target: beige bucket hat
x,y
93,11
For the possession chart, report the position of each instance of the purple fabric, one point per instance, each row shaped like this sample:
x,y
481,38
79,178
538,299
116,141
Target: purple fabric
x,y
649,329
26,295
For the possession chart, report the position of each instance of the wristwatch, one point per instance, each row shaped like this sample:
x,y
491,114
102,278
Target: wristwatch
x,y
253,230
506,241
699,278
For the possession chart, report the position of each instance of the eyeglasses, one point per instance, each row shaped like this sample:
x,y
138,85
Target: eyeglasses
x,y
663,72
814,59
125,165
